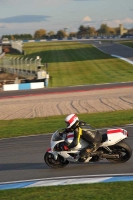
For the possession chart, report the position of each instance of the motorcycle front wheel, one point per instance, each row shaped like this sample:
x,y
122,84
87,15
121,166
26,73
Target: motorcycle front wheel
x,y
51,162
124,151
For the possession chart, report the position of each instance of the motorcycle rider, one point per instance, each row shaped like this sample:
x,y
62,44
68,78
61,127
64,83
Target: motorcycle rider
x,y
86,132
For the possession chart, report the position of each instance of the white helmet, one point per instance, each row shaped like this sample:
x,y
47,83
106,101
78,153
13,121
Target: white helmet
x,y
71,120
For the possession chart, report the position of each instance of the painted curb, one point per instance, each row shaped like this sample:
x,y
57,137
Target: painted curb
x,y
62,181
125,59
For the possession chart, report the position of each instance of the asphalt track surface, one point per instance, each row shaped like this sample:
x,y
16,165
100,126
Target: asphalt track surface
x,y
22,159
22,93
113,48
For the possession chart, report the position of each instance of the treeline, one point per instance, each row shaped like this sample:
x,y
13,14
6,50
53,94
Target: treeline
x,y
18,37
83,31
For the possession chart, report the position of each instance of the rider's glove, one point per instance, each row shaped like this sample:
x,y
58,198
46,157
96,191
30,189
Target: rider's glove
x,y
65,148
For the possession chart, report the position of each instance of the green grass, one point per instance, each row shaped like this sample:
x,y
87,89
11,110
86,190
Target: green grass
x,y
127,43
24,127
97,191
73,63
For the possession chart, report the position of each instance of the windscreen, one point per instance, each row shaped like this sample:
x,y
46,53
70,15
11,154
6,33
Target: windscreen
x,y
56,136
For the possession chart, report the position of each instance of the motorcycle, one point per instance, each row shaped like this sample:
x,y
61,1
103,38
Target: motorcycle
x,y
113,148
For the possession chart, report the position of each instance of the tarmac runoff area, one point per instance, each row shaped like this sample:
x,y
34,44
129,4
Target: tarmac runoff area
x,y
65,103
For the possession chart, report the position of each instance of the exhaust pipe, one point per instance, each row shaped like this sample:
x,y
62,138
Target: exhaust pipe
x,y
110,156
103,155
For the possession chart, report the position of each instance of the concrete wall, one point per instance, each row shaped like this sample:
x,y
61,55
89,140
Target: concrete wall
x,y
23,86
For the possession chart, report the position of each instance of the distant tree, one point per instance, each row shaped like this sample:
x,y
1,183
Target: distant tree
x,y
61,34
51,34
6,36
112,31
18,37
104,29
26,36
72,34
40,34
86,31
82,31
91,31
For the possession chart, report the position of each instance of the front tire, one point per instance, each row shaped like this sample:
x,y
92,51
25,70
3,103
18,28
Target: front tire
x,y
124,151
51,162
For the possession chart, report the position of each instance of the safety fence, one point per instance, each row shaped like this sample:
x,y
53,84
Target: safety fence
x,y
25,67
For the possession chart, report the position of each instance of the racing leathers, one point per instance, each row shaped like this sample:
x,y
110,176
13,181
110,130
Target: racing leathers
x,y
86,132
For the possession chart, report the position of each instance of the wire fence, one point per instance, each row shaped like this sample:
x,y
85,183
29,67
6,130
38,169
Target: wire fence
x,y
26,67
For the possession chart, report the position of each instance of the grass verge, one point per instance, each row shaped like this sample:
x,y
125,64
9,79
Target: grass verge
x,y
24,127
74,63
97,191
127,43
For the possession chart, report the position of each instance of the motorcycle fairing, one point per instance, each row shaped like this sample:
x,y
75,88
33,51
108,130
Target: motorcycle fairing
x,y
114,136
82,144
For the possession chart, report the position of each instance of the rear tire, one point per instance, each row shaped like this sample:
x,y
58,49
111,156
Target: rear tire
x,y
51,162
123,149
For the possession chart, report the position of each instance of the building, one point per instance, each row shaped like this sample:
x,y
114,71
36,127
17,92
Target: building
x,y
122,30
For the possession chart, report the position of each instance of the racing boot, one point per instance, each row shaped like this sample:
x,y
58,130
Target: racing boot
x,y
85,153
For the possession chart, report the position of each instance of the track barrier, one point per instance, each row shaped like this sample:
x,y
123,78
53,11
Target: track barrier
x,y
23,86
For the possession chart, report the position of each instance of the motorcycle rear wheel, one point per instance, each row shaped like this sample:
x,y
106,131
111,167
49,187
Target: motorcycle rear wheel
x,y
124,151
51,162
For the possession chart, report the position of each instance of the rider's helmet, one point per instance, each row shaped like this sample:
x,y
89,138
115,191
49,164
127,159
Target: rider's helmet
x,y
71,120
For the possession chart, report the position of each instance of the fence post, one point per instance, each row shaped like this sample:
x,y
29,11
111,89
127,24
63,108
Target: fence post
x,y
21,65
10,67
35,65
26,64
31,66
14,65
18,65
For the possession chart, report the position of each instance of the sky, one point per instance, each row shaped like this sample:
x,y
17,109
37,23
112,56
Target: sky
x,y
27,16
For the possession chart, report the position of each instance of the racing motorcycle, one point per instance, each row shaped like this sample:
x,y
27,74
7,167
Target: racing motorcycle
x,y
113,148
